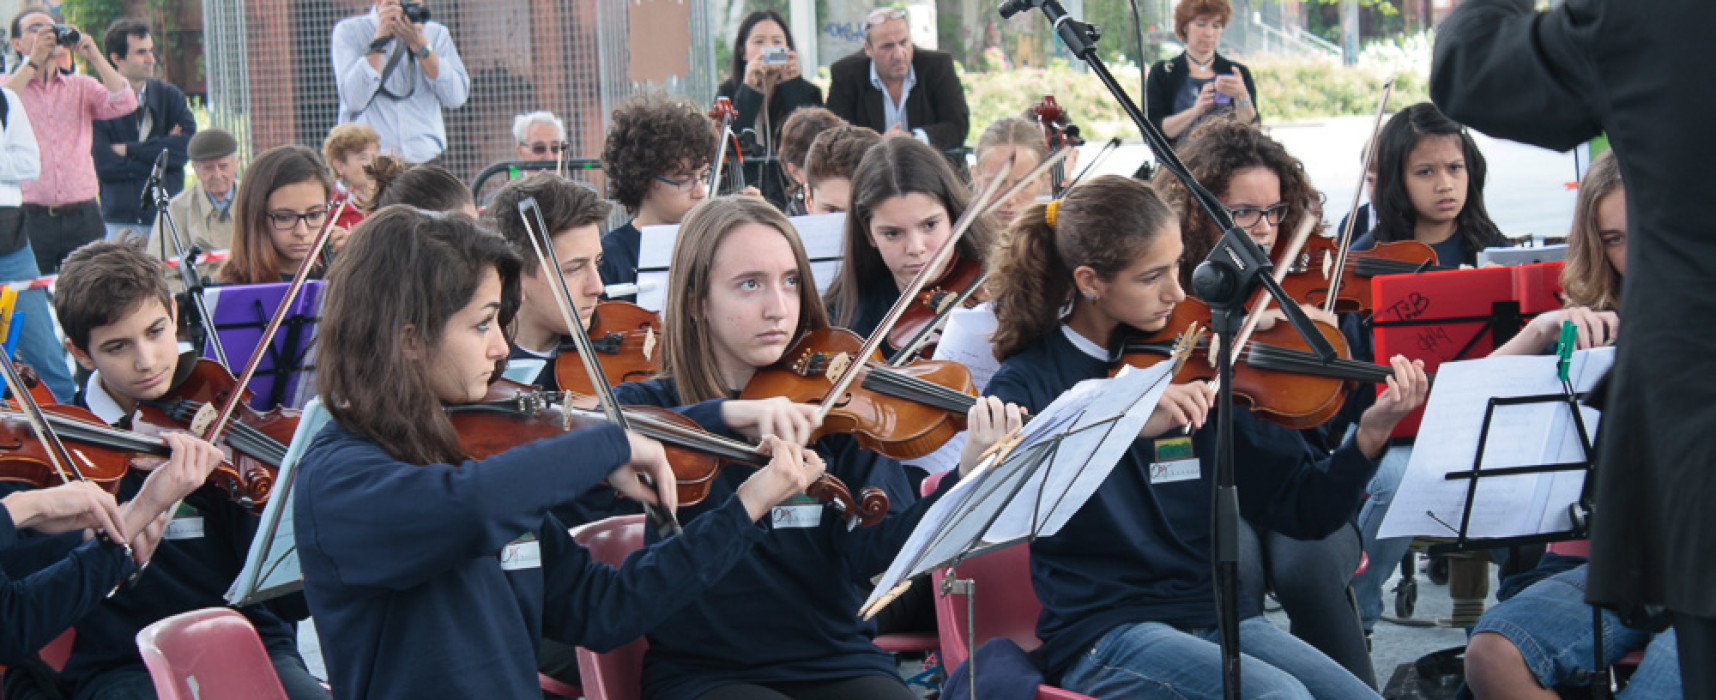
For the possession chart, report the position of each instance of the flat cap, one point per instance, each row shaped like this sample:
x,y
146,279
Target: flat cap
x,y
210,144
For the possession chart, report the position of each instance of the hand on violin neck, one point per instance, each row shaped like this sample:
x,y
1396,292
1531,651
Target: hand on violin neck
x,y
189,467
1181,405
756,419
1406,391
989,421
790,471
74,506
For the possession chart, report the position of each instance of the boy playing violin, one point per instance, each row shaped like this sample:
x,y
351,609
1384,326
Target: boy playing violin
x,y
656,158
120,319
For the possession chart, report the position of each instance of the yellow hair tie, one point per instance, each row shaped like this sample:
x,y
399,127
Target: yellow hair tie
x,y
1049,214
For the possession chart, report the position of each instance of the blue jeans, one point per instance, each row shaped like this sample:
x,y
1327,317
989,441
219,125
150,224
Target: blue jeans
x,y
1385,554
1154,660
38,345
1550,623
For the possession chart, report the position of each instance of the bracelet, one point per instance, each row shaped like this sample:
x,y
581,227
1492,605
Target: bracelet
x,y
1245,102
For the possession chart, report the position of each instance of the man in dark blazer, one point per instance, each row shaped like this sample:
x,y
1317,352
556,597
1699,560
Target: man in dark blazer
x,y
896,89
125,148
1629,69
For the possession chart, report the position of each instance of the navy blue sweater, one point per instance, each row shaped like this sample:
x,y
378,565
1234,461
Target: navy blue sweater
x,y
40,606
787,612
1140,551
402,568
620,258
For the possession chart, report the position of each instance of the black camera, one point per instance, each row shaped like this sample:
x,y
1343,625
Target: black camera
x,y
416,12
66,35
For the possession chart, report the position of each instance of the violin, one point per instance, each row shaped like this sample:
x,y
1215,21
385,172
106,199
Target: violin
x,y
512,414
626,335
957,289
1311,274
103,453
901,412
255,442
724,114
1275,374
1059,132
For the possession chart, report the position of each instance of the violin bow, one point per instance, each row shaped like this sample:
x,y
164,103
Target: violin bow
x,y
1294,245
218,425
1102,154
1346,238
727,113
536,229
910,351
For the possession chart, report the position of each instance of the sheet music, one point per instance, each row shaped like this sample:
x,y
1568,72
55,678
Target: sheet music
x,y
1427,503
822,235
1064,454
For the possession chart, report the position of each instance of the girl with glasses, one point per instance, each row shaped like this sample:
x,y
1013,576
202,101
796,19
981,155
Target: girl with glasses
x,y
656,159
281,205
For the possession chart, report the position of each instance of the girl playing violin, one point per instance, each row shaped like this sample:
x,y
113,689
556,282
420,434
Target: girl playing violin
x,y
281,204
1430,187
1265,190
1126,584
1596,261
1022,141
782,624
411,551
904,201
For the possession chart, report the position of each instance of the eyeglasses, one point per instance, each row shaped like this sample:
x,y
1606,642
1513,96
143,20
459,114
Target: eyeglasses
x,y
883,14
541,148
690,182
1247,217
286,220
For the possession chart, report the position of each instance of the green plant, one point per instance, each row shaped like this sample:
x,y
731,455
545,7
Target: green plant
x,y
93,16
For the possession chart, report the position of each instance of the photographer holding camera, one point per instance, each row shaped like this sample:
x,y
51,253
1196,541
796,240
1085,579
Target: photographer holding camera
x,y
396,70
766,69
59,208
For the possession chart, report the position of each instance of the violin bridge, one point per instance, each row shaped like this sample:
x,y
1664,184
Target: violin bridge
x,y
1183,347
837,365
1328,264
204,417
649,343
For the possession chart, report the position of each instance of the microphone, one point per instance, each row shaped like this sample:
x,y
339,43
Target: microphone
x,y
1013,7
155,178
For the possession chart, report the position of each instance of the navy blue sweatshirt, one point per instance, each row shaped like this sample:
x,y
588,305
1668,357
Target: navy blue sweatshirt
x,y
1140,551
789,611
37,608
404,573
620,258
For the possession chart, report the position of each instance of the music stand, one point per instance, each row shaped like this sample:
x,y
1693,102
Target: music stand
x,y
1031,484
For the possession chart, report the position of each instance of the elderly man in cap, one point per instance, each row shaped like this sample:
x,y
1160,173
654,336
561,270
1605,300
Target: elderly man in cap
x,y
204,210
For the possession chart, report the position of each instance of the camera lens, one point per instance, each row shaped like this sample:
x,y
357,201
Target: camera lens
x,y
416,12
66,35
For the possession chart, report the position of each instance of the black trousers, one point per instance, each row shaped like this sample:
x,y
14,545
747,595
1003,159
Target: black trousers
x,y
55,233
1696,637
860,688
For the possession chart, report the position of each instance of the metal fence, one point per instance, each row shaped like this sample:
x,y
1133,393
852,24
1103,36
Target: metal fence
x,y
271,81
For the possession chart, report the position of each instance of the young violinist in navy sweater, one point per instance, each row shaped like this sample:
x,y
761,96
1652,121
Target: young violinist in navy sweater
x,y
1430,188
49,599
782,623
1266,191
904,200
1126,586
120,321
433,575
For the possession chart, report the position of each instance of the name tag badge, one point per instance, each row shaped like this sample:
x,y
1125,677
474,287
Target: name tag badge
x,y
187,524
798,512
1174,461
522,553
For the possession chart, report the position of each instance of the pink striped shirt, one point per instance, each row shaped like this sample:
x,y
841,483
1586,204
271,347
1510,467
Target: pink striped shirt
x,y
63,109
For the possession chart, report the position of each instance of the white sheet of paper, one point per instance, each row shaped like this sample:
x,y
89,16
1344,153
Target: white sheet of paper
x,y
1427,503
822,235
965,339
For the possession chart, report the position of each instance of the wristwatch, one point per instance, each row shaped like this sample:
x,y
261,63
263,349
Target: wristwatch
x,y
421,53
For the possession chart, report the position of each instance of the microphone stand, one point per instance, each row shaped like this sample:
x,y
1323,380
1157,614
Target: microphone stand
x,y
201,328
1224,280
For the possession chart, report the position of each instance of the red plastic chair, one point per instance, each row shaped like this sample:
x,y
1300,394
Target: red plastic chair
x,y
208,653
1006,605
618,674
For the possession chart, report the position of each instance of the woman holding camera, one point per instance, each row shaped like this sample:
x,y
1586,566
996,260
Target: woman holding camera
x,y
1199,84
766,72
